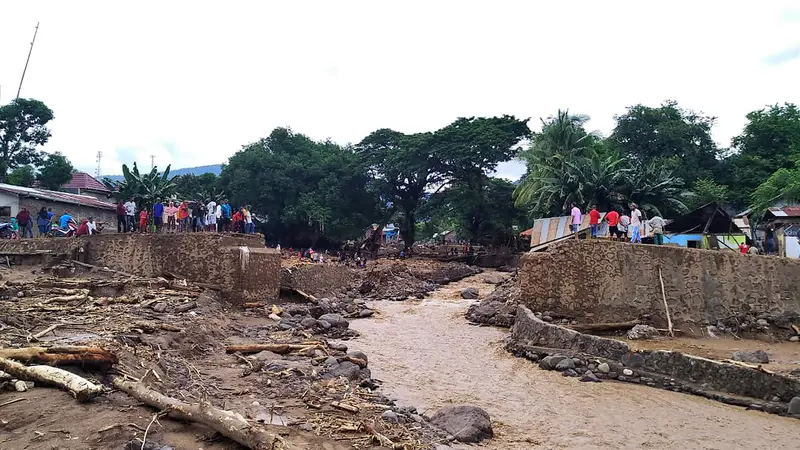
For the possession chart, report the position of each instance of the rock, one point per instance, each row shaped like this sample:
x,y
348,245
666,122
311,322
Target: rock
x,y
547,318
469,294
308,322
612,375
335,320
275,317
366,313
794,406
286,325
20,386
756,357
390,416
482,313
776,399
633,359
359,355
337,346
565,364
763,322
794,339
642,332
160,307
550,362
466,423
627,372
590,377
20,294
331,361
569,373
493,278
417,418
345,369
603,368
324,324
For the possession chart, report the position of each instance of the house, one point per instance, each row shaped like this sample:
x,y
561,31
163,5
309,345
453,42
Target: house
x,y
708,226
555,229
13,198
784,224
84,184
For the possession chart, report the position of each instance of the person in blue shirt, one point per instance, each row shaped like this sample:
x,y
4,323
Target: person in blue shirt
x,y
158,214
226,215
64,220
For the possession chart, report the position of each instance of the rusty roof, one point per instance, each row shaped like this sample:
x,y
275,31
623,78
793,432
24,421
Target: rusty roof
x,y
55,196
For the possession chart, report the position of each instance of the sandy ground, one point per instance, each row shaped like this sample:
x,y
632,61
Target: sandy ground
x,y
429,356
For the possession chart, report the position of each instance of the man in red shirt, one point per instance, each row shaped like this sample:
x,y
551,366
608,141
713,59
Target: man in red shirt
x,y
594,220
612,217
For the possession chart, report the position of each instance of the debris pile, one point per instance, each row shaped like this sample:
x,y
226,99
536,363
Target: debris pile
x,y
403,279
500,307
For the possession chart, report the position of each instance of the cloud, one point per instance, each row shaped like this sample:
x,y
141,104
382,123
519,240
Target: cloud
x,y
784,56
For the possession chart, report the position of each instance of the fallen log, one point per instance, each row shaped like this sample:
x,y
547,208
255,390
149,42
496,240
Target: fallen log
x,y
66,298
346,407
183,307
612,326
280,349
80,388
55,291
228,423
749,366
40,334
68,355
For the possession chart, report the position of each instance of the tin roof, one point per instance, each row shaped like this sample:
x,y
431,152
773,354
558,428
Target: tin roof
x,y
786,211
82,180
55,196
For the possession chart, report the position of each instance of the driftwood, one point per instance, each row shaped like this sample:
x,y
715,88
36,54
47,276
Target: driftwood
x,y
66,298
67,355
229,424
151,327
79,387
40,334
346,407
306,296
183,307
101,269
749,366
280,349
613,326
666,306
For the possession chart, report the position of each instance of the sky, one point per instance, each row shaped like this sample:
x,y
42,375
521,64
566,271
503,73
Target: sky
x,y
190,82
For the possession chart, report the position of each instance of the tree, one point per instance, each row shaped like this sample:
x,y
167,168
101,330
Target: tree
x,y
56,171
783,185
309,191
706,191
668,135
22,129
144,188
770,141
199,187
22,176
655,189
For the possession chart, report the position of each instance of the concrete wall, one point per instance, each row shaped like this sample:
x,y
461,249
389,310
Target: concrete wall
x,y
239,264
596,281
109,217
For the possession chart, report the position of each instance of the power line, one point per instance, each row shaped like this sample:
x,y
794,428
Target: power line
x,y
35,32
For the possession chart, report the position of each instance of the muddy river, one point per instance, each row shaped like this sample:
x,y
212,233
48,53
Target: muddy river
x,y
429,356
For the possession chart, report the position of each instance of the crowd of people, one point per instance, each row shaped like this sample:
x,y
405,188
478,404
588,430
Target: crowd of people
x,y
183,217
621,224
49,224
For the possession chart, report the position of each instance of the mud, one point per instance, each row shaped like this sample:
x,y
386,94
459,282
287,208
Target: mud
x,y
429,356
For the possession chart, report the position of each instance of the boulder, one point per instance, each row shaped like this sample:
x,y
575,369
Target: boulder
x,y
308,322
756,357
794,406
359,355
569,373
551,362
603,368
366,313
590,377
565,364
466,423
469,294
493,278
336,320
642,332
390,416
345,369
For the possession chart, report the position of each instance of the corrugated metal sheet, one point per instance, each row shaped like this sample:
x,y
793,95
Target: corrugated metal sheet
x,y
63,197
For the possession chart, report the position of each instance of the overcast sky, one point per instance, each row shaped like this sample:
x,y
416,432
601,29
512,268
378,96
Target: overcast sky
x,y
191,82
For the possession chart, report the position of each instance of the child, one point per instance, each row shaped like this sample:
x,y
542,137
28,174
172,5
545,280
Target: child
x,y
143,220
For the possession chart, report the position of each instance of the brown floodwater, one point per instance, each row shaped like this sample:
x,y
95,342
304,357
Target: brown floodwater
x,y
428,356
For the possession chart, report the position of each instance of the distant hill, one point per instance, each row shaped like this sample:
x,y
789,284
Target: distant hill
x,y
216,169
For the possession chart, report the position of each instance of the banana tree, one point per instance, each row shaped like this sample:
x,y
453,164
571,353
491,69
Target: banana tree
x,y
144,188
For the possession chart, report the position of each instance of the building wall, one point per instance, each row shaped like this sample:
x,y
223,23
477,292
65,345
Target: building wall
x,y
108,217
596,281
10,201
238,264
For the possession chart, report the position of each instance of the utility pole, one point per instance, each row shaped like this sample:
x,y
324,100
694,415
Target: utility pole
x,y
28,60
152,161
99,157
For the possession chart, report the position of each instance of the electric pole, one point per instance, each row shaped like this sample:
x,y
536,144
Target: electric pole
x,y
97,170
152,161
28,60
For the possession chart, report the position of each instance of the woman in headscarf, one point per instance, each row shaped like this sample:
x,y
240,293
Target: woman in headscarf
x,y
43,221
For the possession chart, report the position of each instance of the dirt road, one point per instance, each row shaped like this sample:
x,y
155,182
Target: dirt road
x,y
429,356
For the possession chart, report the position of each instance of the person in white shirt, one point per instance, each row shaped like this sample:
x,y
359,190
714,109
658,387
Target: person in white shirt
x,y
130,214
217,217
249,227
211,216
91,226
636,223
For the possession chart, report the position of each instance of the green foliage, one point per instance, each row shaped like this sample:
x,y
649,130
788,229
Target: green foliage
x,y
22,176
56,171
677,138
144,188
783,185
566,164
770,141
308,190
706,191
22,129
202,187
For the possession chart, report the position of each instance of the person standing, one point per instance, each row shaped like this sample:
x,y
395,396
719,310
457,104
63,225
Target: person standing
x,y
170,212
594,221
249,226
43,221
622,226
158,215
24,222
143,220
575,213
183,217
227,214
657,224
130,214
211,215
612,217
122,221
636,223
197,217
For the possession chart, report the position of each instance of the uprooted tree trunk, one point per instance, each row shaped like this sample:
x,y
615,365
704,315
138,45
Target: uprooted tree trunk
x,y
230,424
79,387
280,349
67,355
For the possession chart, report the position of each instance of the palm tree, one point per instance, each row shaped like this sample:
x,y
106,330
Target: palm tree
x,y
145,189
655,189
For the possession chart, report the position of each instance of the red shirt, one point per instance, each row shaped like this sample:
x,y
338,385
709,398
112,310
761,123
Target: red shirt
x,y
744,248
612,218
594,217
